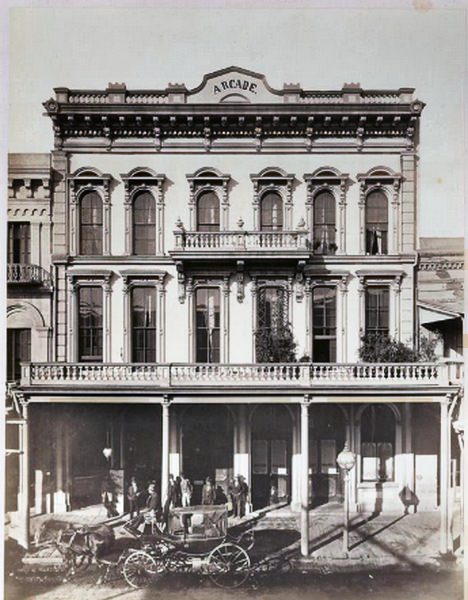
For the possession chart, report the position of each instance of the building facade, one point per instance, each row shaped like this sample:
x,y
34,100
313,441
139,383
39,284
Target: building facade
x,y
191,274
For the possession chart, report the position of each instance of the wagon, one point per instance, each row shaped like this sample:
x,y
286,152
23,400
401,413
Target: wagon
x,y
193,540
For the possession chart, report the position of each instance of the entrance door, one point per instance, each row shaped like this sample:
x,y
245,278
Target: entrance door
x,y
327,437
207,447
271,455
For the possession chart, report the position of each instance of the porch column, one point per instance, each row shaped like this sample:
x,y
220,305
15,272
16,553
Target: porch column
x,y
165,448
444,474
175,462
241,444
23,500
296,463
305,476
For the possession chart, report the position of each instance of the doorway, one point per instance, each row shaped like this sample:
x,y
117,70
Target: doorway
x,y
207,446
271,455
327,434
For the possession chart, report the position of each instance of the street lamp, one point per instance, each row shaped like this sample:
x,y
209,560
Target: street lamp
x,y
107,454
346,461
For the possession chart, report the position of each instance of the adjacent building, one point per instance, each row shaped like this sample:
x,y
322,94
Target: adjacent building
x,y
190,276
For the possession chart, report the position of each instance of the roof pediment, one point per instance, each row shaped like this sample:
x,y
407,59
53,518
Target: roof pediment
x,y
234,85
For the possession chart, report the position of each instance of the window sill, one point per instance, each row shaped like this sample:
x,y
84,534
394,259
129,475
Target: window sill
x,y
373,484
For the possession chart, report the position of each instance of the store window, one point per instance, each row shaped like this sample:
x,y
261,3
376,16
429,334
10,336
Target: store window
x,y
324,324
271,212
19,243
376,223
18,351
377,311
208,212
143,319
207,325
378,425
90,324
324,223
91,224
144,224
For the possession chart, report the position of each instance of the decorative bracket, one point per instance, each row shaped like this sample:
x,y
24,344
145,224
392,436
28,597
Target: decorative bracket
x,y
240,280
181,281
300,280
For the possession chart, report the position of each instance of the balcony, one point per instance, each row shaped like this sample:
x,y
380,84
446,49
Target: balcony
x,y
225,244
294,376
21,273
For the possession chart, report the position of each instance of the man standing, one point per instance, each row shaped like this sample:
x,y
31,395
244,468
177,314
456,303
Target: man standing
x,y
208,492
186,490
240,495
132,496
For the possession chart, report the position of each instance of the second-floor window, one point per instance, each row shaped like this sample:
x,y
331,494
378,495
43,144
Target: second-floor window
x,y
272,331
144,224
377,311
143,317
91,229
208,212
207,325
19,242
324,223
376,223
18,351
324,324
90,324
271,212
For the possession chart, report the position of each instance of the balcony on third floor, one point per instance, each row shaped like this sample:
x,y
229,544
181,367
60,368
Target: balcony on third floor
x,y
26,274
209,245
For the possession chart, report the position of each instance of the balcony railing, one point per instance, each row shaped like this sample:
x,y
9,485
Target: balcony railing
x,y
294,375
24,273
240,240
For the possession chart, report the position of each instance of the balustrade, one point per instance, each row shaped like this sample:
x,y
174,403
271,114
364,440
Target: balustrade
x,y
300,375
25,273
240,240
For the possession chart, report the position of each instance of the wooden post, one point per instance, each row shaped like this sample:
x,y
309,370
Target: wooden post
x,y
444,474
305,476
165,449
23,507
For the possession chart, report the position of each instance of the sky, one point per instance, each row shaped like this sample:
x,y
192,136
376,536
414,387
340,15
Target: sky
x,y
319,48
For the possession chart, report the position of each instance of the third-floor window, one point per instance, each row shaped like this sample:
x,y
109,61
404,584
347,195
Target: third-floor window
x,y
144,224
19,241
208,212
376,223
91,229
271,212
324,223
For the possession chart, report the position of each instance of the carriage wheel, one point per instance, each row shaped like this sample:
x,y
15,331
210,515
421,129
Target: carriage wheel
x,y
139,569
229,565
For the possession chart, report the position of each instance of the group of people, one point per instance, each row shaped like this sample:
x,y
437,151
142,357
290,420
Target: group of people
x,y
180,492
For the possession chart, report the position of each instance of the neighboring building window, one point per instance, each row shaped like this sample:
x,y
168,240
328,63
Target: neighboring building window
x,y
90,324
376,223
324,324
207,323
272,313
324,223
18,351
91,224
271,212
143,324
144,224
208,212
19,242
377,443
377,310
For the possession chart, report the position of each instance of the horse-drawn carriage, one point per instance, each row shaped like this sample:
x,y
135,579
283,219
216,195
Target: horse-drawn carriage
x,y
193,540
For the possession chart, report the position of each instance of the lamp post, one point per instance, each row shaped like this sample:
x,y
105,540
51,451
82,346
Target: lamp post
x,y
346,461
107,454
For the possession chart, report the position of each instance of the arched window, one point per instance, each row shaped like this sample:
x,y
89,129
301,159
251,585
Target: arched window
x,y
144,224
324,223
324,324
376,223
207,324
378,426
143,317
208,212
91,224
271,212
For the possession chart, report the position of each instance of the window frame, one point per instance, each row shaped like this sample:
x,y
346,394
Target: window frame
x,y
378,455
196,328
325,337
379,330
153,331
15,358
267,227
99,227
207,227
370,227
91,358
331,226
24,254
151,227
